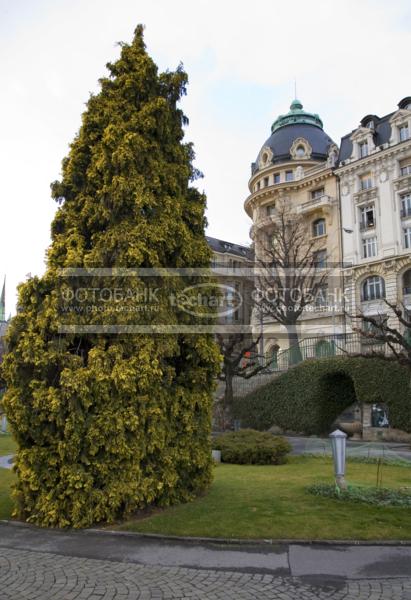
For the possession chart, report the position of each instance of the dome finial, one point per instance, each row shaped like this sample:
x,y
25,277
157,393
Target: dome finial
x,y
296,105
295,116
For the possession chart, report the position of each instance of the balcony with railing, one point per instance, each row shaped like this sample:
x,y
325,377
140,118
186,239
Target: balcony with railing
x,y
313,204
405,212
366,226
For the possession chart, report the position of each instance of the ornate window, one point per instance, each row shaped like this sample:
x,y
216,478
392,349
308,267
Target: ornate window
x,y
406,283
407,237
317,193
405,204
265,158
366,181
320,299
319,227
373,288
363,146
277,178
369,247
405,167
270,210
289,176
367,217
320,259
300,149
404,132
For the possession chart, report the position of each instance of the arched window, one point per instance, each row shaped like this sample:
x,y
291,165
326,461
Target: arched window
x,y
373,288
272,356
406,282
319,227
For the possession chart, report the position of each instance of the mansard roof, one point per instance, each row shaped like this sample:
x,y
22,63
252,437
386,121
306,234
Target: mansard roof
x,y
381,130
223,247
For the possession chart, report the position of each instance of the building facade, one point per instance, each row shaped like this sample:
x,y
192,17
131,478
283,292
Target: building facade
x,y
295,168
355,200
231,265
374,172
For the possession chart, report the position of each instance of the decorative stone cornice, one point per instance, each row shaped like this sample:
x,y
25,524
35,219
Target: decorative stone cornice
x,y
366,195
382,267
393,152
403,183
361,134
400,116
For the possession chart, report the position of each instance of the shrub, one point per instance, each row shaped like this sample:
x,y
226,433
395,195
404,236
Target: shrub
x,y
250,447
373,496
310,396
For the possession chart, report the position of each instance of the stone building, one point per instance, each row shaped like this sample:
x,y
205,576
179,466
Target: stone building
x,y
295,167
374,170
231,264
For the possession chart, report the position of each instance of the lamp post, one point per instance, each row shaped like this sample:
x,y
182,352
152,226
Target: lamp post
x,y
338,444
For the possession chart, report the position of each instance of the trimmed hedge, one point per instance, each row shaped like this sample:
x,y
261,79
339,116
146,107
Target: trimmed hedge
x,y
250,447
310,396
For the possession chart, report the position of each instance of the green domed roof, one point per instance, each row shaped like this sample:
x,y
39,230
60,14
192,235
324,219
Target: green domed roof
x,y
295,116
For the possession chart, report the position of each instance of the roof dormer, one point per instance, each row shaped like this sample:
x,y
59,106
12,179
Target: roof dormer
x,y
400,122
363,142
369,122
405,103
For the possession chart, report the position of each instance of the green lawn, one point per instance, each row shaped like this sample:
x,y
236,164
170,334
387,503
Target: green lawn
x,y
7,444
7,477
271,502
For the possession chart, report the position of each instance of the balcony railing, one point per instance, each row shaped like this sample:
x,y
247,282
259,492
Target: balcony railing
x,y
406,212
314,204
365,226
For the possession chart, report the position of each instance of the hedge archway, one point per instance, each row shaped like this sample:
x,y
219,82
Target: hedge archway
x,y
310,396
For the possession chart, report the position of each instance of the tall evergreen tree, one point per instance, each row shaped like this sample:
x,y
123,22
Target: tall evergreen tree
x,y
110,422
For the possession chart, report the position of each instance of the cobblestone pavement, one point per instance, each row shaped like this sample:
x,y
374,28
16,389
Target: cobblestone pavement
x,y
29,575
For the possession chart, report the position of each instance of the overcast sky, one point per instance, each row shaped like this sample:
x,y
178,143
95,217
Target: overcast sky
x,y
349,58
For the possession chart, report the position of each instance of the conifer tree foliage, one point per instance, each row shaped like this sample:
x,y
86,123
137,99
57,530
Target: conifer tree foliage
x,y
108,423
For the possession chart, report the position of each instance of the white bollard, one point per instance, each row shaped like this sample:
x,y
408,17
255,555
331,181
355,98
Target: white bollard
x,y
216,455
338,444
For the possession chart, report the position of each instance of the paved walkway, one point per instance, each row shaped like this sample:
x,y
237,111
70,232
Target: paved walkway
x,y
6,462
40,564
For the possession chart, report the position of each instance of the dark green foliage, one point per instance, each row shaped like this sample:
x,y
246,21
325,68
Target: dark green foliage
x,y
310,396
250,447
371,495
107,423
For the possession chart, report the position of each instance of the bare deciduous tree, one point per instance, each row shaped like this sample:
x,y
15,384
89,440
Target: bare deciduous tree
x,y
291,275
236,349
376,328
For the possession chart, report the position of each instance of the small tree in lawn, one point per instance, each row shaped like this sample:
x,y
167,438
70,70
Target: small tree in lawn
x,y
236,350
108,416
289,278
